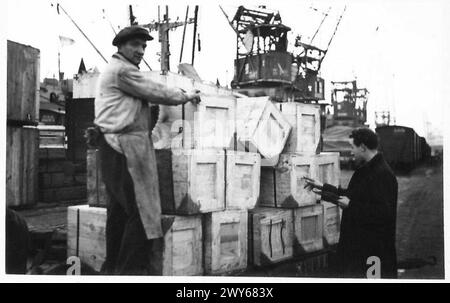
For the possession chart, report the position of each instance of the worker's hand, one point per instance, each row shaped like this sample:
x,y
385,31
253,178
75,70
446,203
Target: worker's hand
x,y
312,184
343,202
193,96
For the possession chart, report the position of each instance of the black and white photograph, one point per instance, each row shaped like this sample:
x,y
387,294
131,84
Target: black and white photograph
x,y
211,140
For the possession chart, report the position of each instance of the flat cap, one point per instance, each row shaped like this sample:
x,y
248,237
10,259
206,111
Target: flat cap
x,y
131,32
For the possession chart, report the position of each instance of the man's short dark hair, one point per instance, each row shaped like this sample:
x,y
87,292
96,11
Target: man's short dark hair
x,y
366,136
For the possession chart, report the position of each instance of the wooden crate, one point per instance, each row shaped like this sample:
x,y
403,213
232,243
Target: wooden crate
x,y
22,82
210,124
179,252
271,235
86,234
22,144
191,181
283,186
305,121
96,190
308,229
260,127
225,241
242,179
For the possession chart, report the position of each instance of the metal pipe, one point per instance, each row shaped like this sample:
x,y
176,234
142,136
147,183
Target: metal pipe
x,y
195,34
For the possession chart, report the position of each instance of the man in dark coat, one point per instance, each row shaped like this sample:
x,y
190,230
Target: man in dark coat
x,y
369,211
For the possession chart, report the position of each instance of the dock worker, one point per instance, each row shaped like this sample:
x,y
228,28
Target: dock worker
x,y
127,157
369,212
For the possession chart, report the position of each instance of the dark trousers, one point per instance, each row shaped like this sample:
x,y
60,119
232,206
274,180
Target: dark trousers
x,y
128,252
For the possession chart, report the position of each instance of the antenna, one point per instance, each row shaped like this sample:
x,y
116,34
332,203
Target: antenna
x,y
195,33
184,33
320,25
58,6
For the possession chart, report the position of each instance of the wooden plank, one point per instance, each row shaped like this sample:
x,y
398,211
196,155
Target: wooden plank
x,y
225,241
22,82
305,121
52,153
89,224
191,181
260,126
272,235
96,190
52,141
283,186
242,179
178,253
308,229
21,166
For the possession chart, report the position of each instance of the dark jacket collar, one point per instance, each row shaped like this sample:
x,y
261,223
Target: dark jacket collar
x,y
119,56
376,161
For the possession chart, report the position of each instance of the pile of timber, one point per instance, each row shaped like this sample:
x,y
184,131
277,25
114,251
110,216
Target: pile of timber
x,y
231,185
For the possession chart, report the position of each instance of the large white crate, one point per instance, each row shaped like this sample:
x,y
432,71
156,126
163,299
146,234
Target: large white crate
x,y
305,121
260,126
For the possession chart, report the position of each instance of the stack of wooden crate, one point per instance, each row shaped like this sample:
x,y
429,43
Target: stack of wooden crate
x,y
221,208
206,188
289,221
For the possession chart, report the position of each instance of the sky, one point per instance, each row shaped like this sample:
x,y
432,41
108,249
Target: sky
x,y
398,50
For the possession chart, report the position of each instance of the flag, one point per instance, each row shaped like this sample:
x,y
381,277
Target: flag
x,y
64,41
